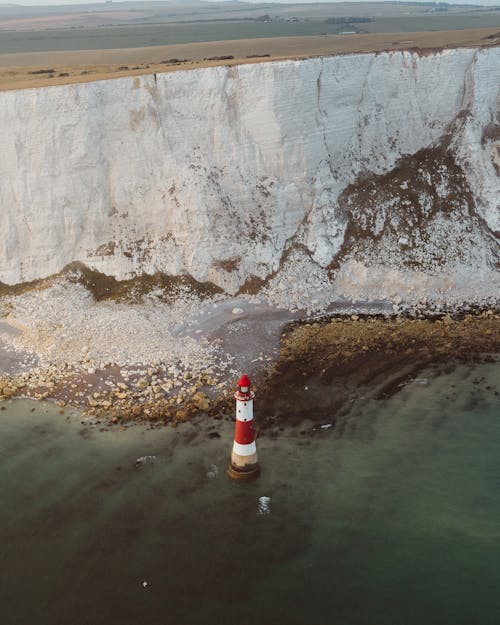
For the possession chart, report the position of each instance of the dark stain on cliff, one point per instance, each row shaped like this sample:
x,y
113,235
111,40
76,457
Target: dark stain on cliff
x,y
423,211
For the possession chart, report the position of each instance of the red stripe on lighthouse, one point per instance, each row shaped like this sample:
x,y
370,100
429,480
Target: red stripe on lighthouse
x,y
244,434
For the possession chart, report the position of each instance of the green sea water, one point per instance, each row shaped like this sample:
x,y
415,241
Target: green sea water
x,y
389,516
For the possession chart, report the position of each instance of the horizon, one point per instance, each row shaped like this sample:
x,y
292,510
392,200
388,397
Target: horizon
x,y
51,3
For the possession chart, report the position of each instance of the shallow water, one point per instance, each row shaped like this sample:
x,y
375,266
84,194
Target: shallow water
x,y
388,517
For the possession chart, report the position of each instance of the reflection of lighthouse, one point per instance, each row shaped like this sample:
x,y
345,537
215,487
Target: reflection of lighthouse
x,y
244,463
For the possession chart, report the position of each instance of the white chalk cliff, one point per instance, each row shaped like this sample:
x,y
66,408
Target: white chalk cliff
x,y
369,168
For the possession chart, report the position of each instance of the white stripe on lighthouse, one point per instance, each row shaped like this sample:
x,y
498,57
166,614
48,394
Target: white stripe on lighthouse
x,y
244,410
244,450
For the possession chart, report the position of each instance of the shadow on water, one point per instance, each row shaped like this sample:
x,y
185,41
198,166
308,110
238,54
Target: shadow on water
x,y
389,515
87,527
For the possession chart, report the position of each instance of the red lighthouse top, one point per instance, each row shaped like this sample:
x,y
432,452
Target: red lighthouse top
x,y
244,381
244,393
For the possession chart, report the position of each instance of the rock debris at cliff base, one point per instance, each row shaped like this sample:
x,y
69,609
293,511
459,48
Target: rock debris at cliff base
x,y
92,322
373,355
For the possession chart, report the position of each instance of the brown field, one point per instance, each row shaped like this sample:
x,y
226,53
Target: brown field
x,y
16,70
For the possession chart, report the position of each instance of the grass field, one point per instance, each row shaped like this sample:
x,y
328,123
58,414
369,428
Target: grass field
x,y
18,17
142,36
145,36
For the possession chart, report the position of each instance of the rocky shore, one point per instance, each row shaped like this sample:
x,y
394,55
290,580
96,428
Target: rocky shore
x,y
370,357
350,356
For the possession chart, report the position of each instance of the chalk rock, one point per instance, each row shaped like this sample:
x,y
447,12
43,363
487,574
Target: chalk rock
x,y
129,175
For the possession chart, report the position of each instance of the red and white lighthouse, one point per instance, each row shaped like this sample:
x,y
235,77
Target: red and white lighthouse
x,y
244,462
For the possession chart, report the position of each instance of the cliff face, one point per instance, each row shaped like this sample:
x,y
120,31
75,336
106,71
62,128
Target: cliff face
x,y
356,166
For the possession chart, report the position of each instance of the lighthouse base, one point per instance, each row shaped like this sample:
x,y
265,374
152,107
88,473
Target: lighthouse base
x,y
243,473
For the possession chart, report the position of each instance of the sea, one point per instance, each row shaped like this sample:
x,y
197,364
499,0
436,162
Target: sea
x,y
388,515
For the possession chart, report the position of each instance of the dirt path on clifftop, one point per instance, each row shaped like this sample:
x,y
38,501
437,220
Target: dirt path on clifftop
x,y
41,69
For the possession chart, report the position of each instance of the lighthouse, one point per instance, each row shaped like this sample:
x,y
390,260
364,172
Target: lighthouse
x,y
244,463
